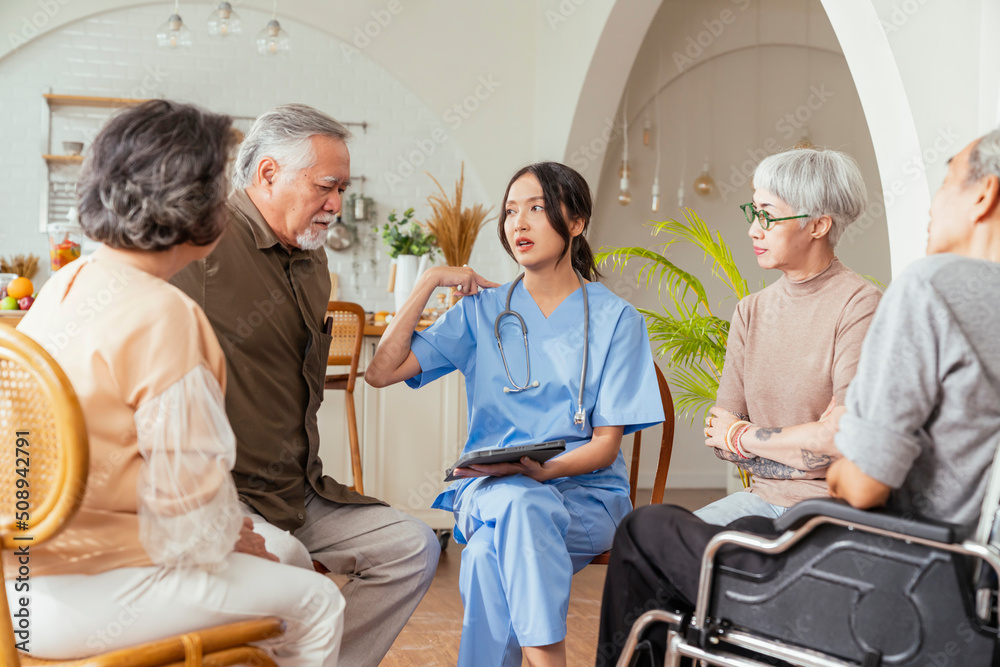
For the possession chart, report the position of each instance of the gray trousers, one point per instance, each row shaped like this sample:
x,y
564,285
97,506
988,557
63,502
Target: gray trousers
x,y
389,559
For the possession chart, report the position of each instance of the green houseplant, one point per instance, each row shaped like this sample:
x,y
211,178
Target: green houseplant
x,y
405,236
687,333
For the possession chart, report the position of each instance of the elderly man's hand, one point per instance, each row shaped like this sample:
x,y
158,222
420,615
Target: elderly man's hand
x,y
252,543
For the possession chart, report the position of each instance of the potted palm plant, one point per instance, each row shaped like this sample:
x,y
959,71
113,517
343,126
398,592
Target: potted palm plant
x,y
688,334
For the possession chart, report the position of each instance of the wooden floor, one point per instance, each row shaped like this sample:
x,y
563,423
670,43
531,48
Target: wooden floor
x,y
431,637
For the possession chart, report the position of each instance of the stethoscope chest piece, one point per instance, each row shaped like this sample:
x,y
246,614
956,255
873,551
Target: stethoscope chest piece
x,y
578,415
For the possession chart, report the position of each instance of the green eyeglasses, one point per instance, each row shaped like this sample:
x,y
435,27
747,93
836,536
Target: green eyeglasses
x,y
763,217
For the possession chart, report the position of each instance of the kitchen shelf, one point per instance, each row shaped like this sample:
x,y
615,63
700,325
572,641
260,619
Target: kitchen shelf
x,y
68,159
90,101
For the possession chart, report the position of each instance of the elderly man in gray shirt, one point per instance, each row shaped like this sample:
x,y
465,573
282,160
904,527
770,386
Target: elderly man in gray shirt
x,y
923,412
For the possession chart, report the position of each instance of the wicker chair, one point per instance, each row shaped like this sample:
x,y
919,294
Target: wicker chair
x,y
346,323
37,400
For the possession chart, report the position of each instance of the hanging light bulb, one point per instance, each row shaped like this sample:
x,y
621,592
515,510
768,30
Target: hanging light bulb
x,y
704,184
624,196
224,21
272,40
804,141
680,194
656,195
173,34
647,132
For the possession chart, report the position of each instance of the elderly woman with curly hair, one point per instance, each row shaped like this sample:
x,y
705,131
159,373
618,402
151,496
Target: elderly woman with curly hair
x,y
159,545
793,346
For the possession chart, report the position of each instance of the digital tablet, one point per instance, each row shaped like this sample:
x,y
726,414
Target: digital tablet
x,y
541,452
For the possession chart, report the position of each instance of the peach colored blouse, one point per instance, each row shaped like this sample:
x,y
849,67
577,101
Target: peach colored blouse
x,y
150,376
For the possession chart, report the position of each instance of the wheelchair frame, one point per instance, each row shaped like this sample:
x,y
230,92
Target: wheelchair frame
x,y
694,636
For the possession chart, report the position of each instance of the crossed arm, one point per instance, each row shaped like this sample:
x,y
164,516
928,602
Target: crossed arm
x,y
803,451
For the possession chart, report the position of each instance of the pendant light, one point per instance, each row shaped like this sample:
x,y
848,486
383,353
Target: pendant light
x,y
173,34
704,185
655,206
804,141
624,196
224,21
647,129
272,40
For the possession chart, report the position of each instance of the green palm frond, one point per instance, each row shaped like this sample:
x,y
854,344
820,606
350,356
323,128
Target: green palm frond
x,y
694,231
687,335
679,283
690,340
697,388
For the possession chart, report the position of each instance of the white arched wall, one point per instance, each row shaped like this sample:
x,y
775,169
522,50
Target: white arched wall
x,y
890,121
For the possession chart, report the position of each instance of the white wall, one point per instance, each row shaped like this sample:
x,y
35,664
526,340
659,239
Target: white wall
x,y
113,54
732,103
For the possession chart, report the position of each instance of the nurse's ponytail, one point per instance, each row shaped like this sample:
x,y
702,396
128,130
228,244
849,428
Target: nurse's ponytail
x,y
567,197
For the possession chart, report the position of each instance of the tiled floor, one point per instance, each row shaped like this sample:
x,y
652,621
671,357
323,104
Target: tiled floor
x,y
431,637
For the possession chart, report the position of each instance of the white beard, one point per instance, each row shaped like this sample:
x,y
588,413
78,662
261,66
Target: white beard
x,y
313,238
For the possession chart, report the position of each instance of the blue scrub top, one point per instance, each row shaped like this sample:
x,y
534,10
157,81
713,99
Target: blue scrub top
x,y
621,387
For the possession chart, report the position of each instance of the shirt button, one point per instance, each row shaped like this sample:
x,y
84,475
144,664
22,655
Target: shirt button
x,y
301,517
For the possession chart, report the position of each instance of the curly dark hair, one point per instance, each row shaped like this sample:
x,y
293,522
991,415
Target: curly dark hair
x,y
155,177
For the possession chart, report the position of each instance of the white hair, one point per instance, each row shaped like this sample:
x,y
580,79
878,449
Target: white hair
x,y
283,134
816,183
984,160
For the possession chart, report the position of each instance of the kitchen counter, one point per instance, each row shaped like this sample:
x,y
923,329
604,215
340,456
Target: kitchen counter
x,y
11,317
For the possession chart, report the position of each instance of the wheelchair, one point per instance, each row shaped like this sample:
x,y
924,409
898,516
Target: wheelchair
x,y
842,587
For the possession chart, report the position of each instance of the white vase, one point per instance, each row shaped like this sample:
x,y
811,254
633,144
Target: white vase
x,y
408,269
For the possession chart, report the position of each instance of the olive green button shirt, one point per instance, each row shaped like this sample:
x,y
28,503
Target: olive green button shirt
x,y
267,304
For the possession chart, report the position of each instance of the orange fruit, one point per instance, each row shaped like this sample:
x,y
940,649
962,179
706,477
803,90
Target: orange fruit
x,y
20,288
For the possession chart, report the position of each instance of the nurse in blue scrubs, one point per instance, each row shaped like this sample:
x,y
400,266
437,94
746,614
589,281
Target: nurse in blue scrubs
x,y
528,527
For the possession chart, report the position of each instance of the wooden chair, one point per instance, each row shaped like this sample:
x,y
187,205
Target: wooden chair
x,y
346,322
37,398
662,466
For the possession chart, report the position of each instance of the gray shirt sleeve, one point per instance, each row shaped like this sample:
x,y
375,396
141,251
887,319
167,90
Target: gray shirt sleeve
x,y
895,391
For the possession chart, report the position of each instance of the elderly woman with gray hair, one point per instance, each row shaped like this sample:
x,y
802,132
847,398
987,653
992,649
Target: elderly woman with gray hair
x,y
159,546
794,346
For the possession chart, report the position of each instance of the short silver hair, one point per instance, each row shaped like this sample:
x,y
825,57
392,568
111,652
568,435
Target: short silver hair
x,y
282,134
984,160
816,183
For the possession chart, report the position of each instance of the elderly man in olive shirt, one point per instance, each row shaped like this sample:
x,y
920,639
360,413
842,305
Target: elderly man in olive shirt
x,y
265,290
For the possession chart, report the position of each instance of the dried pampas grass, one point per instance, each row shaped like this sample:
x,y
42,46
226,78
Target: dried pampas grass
x,y
25,266
454,227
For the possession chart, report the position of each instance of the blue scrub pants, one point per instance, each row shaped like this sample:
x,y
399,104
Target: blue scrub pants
x,y
525,540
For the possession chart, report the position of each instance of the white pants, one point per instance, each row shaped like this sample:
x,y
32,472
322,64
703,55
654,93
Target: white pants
x,y
736,506
74,616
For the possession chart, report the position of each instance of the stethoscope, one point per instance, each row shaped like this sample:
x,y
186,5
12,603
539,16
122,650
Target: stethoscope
x,y
528,384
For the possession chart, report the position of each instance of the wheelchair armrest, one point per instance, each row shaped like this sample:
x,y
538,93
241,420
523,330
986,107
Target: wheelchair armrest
x,y
936,531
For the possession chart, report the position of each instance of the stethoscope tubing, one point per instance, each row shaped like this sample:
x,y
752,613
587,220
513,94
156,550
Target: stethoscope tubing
x,y
508,311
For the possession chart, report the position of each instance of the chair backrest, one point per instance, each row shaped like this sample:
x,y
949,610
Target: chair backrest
x,y
666,446
44,459
348,330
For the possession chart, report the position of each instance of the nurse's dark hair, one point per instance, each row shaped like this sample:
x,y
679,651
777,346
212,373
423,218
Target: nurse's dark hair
x,y
567,197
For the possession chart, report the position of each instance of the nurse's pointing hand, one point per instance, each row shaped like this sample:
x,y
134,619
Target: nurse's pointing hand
x,y
462,278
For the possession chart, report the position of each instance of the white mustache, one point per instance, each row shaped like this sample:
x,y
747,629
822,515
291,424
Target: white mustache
x,y
326,218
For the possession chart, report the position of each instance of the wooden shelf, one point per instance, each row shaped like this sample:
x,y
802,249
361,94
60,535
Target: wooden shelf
x,y
64,159
89,101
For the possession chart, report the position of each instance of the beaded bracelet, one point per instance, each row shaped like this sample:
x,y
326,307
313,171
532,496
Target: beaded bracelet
x,y
739,445
729,435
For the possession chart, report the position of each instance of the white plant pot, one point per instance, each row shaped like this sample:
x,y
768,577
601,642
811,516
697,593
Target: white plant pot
x,y
408,269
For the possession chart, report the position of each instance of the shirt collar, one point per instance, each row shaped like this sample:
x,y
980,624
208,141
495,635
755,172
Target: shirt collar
x,y
263,235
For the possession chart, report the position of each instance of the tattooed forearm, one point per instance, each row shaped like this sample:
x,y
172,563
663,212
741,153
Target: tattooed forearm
x,y
815,461
764,434
764,468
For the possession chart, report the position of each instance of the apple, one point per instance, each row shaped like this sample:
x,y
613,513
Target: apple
x,y
25,302
8,303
